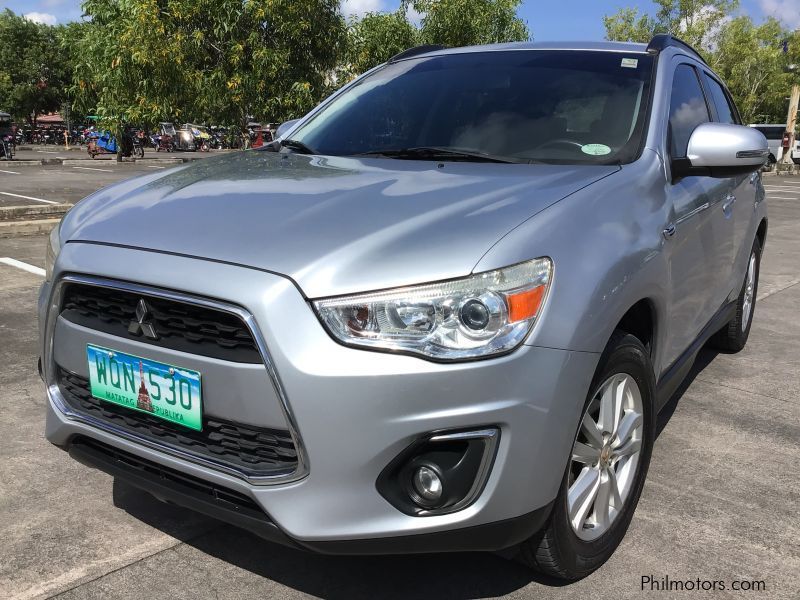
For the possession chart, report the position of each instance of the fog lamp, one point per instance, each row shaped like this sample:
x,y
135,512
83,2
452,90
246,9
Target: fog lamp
x,y
427,485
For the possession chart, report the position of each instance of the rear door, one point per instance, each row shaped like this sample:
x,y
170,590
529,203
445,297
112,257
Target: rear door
x,y
695,241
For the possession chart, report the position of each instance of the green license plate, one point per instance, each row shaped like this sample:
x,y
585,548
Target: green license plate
x,y
165,391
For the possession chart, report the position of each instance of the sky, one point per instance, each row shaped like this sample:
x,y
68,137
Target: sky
x,y
570,20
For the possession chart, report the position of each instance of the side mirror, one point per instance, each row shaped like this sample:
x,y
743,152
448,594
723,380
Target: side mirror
x,y
285,127
722,150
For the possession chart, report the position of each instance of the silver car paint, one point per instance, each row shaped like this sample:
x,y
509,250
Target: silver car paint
x,y
317,223
356,410
334,225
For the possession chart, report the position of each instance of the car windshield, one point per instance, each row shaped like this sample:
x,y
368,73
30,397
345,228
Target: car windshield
x,y
558,106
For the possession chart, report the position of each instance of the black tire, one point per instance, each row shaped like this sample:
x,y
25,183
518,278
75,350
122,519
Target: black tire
x,y
733,337
556,550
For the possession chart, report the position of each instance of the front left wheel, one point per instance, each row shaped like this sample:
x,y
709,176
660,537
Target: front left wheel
x,y
607,467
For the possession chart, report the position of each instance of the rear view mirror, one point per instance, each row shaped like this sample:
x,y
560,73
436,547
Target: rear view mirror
x,y
722,150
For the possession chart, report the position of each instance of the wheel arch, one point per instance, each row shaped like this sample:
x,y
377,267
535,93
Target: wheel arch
x,y
640,321
761,233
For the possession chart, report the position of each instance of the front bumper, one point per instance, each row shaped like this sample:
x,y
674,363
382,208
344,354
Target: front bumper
x,y
357,410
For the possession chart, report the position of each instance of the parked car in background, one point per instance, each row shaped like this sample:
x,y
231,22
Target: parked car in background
x,y
441,314
774,134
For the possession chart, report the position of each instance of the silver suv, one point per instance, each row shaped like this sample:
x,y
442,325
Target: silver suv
x,y
440,313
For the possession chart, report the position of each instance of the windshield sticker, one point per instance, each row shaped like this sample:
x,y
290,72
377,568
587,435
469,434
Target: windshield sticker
x,y
596,149
630,63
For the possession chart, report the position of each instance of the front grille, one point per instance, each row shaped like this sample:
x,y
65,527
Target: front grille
x,y
178,325
253,450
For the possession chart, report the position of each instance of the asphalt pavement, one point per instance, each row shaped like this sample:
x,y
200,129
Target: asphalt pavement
x,y
721,502
72,175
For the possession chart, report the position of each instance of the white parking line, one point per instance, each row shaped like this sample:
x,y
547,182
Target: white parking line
x,y
12,262
771,197
28,198
9,172
154,167
783,188
94,169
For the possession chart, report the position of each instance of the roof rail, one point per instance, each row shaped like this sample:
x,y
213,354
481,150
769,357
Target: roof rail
x,y
415,51
664,40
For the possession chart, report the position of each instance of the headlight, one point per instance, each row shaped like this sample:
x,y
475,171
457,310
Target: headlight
x,y
53,248
481,315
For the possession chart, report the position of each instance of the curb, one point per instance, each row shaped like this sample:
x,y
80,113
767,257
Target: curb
x,y
162,161
21,163
31,213
19,228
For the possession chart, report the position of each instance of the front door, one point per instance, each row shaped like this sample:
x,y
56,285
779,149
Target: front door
x,y
698,236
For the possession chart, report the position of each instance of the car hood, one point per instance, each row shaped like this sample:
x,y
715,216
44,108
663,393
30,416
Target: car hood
x,y
335,225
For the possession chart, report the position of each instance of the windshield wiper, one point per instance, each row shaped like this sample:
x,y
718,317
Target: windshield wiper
x,y
433,152
297,146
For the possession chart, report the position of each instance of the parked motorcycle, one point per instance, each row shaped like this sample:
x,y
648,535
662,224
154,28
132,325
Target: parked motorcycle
x,y
137,142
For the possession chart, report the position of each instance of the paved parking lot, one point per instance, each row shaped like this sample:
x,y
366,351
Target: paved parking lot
x,y
77,177
721,502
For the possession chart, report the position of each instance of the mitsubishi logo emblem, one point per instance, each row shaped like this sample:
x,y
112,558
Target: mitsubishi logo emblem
x,y
141,324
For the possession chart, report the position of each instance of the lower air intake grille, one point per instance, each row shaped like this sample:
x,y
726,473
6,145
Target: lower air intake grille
x,y
253,450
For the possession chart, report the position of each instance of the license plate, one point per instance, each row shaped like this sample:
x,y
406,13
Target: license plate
x,y
165,391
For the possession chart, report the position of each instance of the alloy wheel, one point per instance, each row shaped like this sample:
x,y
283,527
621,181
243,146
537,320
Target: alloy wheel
x,y
605,456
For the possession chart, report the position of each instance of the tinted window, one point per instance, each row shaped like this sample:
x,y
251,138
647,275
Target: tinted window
x,y
558,106
725,112
687,109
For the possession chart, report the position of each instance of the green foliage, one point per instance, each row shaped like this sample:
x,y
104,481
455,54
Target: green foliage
x,y
627,25
33,71
207,60
470,22
377,37
748,57
694,21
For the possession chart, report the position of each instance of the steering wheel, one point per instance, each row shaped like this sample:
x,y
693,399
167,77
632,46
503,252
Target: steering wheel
x,y
560,142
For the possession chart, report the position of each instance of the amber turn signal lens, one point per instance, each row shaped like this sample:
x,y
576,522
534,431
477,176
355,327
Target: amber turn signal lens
x,y
525,305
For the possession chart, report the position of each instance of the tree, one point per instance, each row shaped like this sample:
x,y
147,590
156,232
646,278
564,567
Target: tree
x,y
694,21
751,60
33,72
377,37
212,60
627,25
469,22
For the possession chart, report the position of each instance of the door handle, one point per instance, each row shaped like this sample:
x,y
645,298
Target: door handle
x,y
669,230
728,203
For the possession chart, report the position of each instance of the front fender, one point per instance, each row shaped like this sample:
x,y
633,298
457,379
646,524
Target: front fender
x,y
607,245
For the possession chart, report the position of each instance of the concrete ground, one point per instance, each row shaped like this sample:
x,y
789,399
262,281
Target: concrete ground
x,y
24,184
721,502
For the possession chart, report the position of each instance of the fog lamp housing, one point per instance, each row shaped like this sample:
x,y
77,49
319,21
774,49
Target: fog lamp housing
x,y
440,473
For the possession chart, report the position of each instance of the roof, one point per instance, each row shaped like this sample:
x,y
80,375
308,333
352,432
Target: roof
x,y
626,47
659,43
54,118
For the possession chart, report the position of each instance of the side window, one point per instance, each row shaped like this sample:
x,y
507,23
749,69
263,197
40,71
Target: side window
x,y
687,109
725,111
